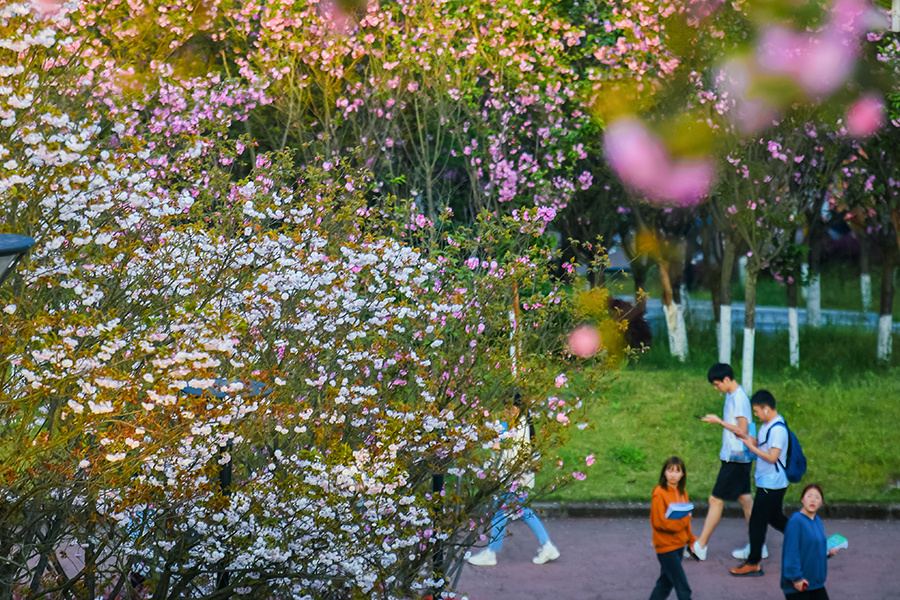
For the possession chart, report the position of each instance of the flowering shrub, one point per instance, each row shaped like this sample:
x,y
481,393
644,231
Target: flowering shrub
x,y
238,369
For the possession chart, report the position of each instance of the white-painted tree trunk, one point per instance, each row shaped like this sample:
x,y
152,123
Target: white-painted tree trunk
x,y
677,330
804,271
742,270
747,371
865,288
685,299
814,302
885,324
725,334
513,355
794,335
681,332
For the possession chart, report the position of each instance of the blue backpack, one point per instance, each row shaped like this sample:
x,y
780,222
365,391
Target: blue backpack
x,y
794,464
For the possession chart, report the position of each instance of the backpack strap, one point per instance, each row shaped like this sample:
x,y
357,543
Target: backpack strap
x,y
778,462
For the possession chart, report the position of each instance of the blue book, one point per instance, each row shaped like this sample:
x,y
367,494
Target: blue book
x,y
679,510
837,541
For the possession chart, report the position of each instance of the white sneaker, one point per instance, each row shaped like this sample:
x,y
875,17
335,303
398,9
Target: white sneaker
x,y
485,558
546,553
700,551
744,553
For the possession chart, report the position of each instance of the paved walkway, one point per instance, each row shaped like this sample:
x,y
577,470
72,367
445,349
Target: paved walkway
x,y
612,559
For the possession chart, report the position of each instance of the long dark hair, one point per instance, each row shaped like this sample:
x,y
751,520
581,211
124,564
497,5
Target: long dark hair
x,y
673,461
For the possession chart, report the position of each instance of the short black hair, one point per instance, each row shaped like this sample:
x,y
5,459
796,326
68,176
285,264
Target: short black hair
x,y
719,371
813,486
763,398
673,461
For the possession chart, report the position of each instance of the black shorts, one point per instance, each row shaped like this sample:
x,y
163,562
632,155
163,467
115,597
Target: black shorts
x,y
733,481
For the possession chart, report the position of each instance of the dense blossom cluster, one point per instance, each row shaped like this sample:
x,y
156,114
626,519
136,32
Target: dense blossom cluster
x,y
211,300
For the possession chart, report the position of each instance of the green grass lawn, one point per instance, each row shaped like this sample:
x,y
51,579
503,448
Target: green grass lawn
x,y
844,410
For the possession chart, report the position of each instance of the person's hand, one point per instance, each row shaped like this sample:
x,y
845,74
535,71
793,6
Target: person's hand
x,y
690,550
833,551
801,585
714,419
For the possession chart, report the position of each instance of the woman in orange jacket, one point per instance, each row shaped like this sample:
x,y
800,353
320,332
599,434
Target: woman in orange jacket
x,y
670,536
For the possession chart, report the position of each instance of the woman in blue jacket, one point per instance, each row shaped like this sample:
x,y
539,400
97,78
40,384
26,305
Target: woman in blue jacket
x,y
805,551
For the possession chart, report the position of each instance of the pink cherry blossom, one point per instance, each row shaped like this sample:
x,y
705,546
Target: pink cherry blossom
x,y
818,62
584,341
641,160
865,116
46,8
751,114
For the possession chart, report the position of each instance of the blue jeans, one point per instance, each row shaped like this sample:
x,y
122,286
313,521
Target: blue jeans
x,y
671,575
498,524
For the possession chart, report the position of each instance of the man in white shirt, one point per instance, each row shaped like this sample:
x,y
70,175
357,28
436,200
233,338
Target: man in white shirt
x,y
771,479
733,481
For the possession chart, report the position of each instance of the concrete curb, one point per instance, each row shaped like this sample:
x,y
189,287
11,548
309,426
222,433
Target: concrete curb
x,y
600,510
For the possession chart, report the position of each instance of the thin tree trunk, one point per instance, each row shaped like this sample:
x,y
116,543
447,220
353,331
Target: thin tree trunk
x,y
793,324
712,266
886,310
865,274
673,313
682,303
639,271
725,307
814,293
749,329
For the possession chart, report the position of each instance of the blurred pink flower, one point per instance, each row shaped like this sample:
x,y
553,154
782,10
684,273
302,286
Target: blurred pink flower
x,y
640,159
584,341
341,18
819,63
754,115
751,114
865,116
856,16
700,9
589,459
46,8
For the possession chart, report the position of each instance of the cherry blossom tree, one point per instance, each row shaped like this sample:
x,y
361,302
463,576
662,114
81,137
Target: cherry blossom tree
x,y
343,347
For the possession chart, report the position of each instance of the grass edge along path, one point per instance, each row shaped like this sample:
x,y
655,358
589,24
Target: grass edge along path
x,y
847,426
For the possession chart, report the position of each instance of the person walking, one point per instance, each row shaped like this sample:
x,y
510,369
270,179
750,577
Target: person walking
x,y
804,564
733,481
771,482
670,536
519,435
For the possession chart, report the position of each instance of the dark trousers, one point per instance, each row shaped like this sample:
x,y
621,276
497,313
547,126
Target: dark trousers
x,y
766,511
671,575
817,594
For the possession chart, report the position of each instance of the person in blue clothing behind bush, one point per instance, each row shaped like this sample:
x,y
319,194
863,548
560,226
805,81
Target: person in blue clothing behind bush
x,y
518,431
805,552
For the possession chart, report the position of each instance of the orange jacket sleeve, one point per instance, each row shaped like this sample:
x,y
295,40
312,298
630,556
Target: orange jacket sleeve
x,y
668,534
